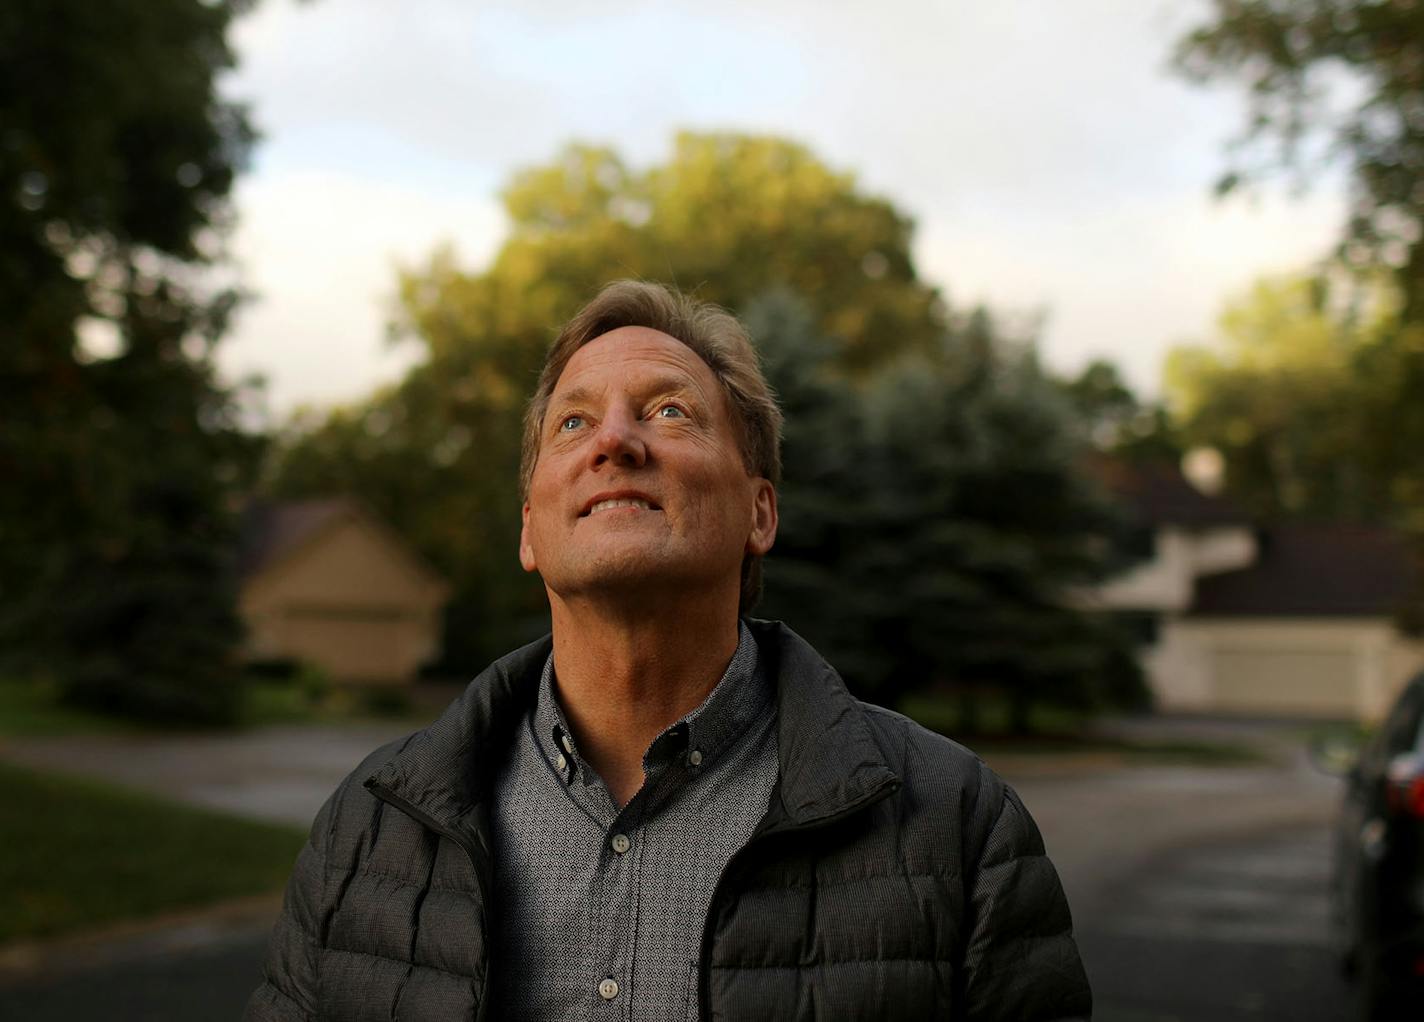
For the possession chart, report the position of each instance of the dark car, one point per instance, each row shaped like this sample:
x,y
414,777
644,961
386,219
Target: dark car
x,y
1379,864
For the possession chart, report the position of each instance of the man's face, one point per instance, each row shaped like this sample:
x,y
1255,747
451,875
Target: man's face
x,y
639,483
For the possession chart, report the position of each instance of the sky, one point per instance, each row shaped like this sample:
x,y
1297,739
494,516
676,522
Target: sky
x,y
1050,161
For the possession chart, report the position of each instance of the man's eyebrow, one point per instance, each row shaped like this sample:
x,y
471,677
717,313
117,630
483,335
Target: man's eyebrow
x,y
668,385
654,386
576,396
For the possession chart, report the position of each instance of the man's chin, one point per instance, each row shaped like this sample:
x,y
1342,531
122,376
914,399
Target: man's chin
x,y
633,578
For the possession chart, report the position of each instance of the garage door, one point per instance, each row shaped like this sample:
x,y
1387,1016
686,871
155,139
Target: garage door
x,y
1285,682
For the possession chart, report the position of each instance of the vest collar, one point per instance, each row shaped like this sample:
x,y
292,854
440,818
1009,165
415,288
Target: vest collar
x,y
830,760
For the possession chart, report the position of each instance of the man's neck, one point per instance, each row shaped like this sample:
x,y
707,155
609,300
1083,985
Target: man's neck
x,y
623,678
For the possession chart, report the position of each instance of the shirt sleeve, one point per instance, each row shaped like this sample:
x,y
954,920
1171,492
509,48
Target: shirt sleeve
x,y
1021,961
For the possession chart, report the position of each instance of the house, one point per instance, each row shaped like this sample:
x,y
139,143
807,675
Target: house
x,y
1295,620
326,583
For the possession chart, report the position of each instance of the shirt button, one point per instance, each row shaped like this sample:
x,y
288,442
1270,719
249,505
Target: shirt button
x,y
608,989
620,845
563,763
694,758
568,744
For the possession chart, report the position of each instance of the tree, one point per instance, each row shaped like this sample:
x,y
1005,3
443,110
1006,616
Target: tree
x,y
934,521
119,466
1300,399
1328,81
1340,81
1115,421
729,216
930,485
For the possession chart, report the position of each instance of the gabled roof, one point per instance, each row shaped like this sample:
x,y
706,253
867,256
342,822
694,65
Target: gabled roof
x,y
269,529
1159,494
1309,570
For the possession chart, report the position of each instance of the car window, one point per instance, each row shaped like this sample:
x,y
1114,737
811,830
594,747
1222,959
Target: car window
x,y
1402,729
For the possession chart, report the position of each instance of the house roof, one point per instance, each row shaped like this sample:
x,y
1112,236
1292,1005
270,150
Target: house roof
x,y
1310,570
269,529
1160,495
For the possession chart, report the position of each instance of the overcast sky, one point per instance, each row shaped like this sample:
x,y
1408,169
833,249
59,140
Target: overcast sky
x,y
1049,160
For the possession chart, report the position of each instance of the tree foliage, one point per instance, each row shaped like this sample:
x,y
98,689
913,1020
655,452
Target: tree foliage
x,y
1331,81
118,466
1303,399
727,216
1113,419
935,522
932,520
1328,82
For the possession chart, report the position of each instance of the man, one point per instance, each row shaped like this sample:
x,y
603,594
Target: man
x,y
667,810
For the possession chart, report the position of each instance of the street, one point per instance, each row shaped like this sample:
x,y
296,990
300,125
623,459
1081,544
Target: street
x,y
1198,892
1229,931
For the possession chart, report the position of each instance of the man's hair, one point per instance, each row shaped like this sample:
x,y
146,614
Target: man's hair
x,y
715,336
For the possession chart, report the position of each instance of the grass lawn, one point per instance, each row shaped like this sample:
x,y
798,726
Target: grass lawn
x,y
33,709
77,854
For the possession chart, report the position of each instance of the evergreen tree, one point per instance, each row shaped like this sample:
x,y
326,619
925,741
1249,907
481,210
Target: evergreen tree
x,y
936,523
118,465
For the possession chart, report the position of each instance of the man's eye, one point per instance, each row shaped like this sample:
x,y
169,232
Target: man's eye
x,y
571,423
671,412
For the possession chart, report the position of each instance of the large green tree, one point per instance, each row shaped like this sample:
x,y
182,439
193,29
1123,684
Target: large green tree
x,y
726,216
118,458
933,522
1329,83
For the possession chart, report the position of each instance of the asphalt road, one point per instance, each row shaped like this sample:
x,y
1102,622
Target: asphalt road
x,y
1198,894
1228,931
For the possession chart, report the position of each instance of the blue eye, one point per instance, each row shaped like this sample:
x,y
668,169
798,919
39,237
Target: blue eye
x,y
571,423
671,412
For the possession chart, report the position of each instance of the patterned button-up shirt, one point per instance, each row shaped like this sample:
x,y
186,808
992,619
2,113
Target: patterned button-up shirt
x,y
599,911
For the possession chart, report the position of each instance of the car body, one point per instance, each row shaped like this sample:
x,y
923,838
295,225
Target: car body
x,y
1379,863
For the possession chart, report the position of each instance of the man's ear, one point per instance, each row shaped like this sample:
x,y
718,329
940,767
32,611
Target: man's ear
x,y
763,533
526,549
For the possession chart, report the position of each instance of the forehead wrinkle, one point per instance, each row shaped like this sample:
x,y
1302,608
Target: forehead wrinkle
x,y
573,396
643,382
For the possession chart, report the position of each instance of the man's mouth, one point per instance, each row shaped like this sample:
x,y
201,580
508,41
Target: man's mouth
x,y
611,503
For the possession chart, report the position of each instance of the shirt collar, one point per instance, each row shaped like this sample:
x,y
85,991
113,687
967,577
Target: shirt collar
x,y
741,696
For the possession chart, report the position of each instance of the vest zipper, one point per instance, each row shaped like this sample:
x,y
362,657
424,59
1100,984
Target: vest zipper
x,y
426,820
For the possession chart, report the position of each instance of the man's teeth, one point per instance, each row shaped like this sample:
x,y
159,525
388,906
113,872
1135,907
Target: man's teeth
x,y
604,505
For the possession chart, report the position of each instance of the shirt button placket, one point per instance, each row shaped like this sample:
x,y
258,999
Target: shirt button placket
x,y
619,895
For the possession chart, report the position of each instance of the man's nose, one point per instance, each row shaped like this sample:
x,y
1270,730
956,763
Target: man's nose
x,y
619,441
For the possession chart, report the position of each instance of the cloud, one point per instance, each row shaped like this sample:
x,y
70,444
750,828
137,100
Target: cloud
x,y
320,250
1127,281
1042,148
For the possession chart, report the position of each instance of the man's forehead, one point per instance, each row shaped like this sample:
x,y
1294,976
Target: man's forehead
x,y
635,354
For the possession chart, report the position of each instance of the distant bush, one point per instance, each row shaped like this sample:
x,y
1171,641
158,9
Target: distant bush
x,y
313,682
387,701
